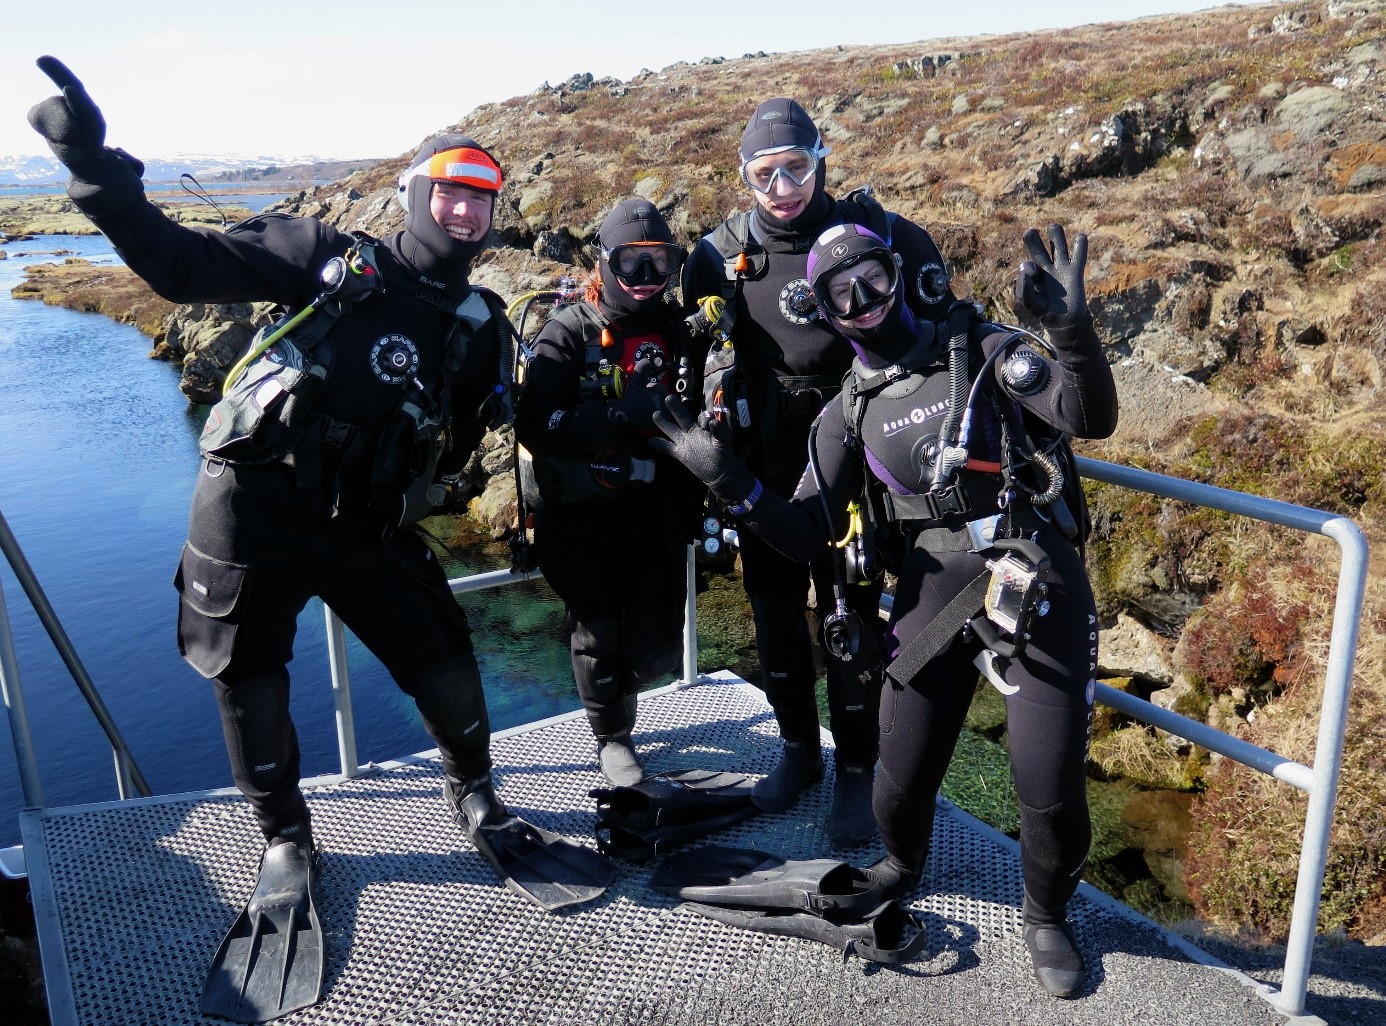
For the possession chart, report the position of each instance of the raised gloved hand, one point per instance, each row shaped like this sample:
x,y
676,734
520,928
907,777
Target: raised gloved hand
x,y
1050,285
74,129
706,456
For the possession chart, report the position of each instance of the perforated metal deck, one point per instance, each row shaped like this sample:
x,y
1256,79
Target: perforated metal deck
x,y
132,899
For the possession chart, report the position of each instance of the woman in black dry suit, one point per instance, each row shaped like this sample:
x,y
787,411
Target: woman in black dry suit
x,y
607,531
941,437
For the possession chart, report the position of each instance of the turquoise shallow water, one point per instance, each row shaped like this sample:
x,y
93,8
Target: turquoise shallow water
x,y
98,449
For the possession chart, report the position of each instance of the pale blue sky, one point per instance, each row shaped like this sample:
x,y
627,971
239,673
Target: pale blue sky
x,y
352,79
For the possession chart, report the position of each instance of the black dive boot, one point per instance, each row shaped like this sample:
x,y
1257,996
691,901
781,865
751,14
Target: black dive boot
x,y
851,822
616,755
895,878
618,761
1053,952
800,767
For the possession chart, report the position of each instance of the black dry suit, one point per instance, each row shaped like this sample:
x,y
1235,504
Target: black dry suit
x,y
790,363
880,444
609,527
268,533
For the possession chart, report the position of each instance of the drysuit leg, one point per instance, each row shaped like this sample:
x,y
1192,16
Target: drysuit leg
x,y
651,644
599,672
452,706
778,593
263,748
394,596
1049,720
919,728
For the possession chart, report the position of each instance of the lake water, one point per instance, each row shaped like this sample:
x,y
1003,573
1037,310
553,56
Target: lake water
x,y
98,451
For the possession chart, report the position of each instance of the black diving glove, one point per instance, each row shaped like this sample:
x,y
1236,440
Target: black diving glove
x,y
706,456
642,396
75,131
1050,287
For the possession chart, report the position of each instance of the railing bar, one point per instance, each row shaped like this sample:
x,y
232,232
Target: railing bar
x,y
341,693
690,618
1211,738
22,737
1255,506
25,575
1318,820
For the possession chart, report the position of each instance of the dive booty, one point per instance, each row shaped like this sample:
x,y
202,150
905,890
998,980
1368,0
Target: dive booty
x,y
1054,956
851,821
618,761
894,877
271,961
641,821
799,768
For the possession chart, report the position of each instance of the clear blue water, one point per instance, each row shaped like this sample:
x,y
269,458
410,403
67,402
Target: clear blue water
x,y
97,456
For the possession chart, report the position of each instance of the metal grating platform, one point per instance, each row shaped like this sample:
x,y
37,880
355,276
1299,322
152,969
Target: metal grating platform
x,y
132,899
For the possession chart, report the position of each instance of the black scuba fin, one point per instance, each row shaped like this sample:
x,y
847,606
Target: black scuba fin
x,y
536,864
640,821
747,878
271,961
882,935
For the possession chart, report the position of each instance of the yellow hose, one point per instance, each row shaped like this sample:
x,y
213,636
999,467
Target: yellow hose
x,y
240,365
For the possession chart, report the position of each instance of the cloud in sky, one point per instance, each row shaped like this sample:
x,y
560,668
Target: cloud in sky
x,y
354,79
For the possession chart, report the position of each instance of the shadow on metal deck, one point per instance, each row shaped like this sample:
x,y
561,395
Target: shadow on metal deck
x,y
132,898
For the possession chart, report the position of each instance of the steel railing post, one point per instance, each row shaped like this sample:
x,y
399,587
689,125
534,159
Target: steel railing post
x,y
13,695
341,693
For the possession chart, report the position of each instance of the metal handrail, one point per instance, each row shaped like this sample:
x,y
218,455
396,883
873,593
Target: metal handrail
x,y
1321,781
128,775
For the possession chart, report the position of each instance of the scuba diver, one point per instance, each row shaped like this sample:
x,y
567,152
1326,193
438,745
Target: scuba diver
x,y
952,438
788,361
327,446
608,529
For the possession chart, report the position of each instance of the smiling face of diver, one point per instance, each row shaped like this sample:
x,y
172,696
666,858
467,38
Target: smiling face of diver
x,y
463,212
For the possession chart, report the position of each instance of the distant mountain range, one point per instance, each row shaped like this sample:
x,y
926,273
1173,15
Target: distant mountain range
x,y
206,167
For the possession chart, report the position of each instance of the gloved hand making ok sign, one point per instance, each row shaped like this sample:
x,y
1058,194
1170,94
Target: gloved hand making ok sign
x,y
75,130
1050,285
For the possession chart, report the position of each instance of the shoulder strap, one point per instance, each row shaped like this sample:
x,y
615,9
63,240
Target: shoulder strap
x,y
874,216
733,242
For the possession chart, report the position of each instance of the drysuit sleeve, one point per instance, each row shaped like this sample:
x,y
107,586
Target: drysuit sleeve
x,y
265,258
798,527
551,418
475,402
1077,393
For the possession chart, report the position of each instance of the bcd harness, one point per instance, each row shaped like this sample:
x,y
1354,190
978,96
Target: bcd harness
x,y
956,512
727,394
268,411
610,351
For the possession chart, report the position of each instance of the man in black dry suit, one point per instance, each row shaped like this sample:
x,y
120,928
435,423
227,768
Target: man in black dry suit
x,y
316,501
791,362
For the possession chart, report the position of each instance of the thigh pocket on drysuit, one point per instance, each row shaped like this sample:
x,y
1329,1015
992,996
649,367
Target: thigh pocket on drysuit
x,y
208,614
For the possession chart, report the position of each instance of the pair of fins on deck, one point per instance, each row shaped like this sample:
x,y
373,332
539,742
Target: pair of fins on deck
x,y
824,900
272,960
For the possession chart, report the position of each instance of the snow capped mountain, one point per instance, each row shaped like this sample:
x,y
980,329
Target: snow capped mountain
x,y
47,171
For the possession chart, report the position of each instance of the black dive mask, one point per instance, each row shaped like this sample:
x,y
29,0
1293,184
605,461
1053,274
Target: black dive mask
x,y
870,290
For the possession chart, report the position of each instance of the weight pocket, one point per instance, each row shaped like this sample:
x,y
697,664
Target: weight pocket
x,y
208,614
